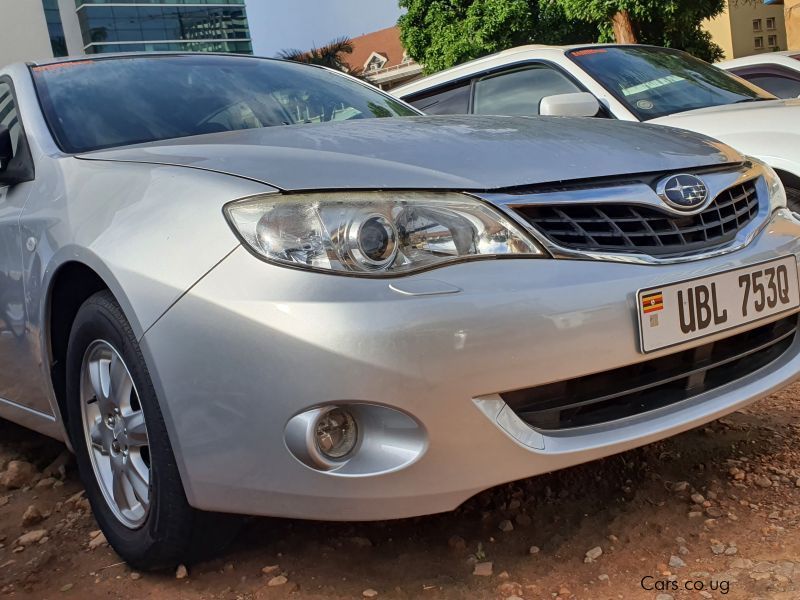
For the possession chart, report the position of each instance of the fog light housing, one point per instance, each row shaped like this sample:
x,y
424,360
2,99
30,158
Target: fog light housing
x,y
354,439
335,433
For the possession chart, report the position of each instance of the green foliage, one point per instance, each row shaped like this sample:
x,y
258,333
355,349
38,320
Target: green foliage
x,y
330,55
443,33
695,41
672,23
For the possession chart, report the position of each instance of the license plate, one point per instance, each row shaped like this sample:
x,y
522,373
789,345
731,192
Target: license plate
x,y
680,312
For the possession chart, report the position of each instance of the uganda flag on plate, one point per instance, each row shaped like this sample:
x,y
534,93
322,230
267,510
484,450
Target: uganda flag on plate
x,y
653,302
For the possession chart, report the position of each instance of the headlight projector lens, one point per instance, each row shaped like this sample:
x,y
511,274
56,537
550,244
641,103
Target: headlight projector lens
x,y
373,242
336,433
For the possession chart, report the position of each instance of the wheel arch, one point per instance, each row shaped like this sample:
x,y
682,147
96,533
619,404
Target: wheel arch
x,y
789,179
67,287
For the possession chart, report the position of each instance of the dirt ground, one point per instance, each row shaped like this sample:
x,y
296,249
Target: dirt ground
x,y
716,510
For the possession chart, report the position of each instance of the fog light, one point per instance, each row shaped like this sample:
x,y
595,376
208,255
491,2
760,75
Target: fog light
x,y
354,439
336,433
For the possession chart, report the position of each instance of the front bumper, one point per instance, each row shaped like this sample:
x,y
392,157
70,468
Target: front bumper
x,y
251,345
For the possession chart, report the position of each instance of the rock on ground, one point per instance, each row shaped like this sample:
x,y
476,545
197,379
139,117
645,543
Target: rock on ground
x,y
278,580
32,516
593,554
18,474
32,537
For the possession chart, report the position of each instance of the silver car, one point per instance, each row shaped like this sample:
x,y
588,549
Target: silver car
x,y
244,286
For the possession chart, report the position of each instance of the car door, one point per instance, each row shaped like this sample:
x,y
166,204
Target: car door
x,y
20,379
514,91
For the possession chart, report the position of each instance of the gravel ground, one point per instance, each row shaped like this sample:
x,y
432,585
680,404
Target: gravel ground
x,y
716,510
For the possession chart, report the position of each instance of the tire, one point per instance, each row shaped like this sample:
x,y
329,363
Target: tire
x,y
119,436
793,199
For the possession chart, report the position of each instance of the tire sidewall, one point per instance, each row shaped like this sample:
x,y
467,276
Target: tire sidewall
x,y
101,319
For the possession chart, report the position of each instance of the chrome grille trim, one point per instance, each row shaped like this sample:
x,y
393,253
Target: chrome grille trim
x,y
631,228
637,194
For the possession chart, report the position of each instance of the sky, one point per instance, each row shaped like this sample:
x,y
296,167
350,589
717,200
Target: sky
x,y
279,24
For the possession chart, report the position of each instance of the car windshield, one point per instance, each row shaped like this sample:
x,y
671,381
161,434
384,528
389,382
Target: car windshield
x,y
654,82
102,103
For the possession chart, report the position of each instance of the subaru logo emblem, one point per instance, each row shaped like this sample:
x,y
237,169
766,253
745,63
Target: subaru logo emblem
x,y
684,192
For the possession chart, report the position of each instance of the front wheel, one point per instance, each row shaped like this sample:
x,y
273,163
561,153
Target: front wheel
x,y
123,452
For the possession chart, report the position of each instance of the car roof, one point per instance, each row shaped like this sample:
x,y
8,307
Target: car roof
x,y
117,55
467,68
781,57
532,51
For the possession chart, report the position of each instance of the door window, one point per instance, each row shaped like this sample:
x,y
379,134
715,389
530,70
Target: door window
x,y
8,113
452,101
519,93
776,79
782,87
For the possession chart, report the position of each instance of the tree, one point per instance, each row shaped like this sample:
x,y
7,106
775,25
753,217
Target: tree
x,y
330,55
673,23
441,33
623,27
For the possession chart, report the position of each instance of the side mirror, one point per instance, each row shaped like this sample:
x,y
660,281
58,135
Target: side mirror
x,y
17,168
6,148
580,104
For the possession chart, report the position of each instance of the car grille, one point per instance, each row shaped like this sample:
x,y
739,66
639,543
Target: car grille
x,y
635,389
635,228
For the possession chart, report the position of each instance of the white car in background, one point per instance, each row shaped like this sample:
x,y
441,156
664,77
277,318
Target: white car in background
x,y
625,82
776,72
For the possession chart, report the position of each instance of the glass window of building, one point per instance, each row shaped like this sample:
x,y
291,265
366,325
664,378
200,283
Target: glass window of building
x,y
167,25
55,29
757,24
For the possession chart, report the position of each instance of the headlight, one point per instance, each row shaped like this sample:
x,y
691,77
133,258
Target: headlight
x,y
777,193
375,233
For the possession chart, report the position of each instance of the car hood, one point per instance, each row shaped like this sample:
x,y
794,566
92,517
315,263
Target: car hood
x,y
765,128
467,153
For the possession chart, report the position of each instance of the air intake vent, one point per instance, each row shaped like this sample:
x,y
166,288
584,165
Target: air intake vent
x,y
635,389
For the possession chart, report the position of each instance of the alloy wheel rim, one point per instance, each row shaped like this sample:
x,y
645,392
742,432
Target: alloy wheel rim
x,y
115,433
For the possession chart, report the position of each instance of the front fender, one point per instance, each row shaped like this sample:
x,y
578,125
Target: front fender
x,y
148,231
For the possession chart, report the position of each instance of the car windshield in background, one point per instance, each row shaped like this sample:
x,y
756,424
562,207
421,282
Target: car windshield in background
x,y
654,82
102,103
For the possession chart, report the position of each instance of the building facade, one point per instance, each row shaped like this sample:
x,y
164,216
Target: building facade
x,y
791,12
746,28
39,29
204,26
381,59
23,32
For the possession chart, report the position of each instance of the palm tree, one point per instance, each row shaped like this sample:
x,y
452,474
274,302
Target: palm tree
x,y
330,55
